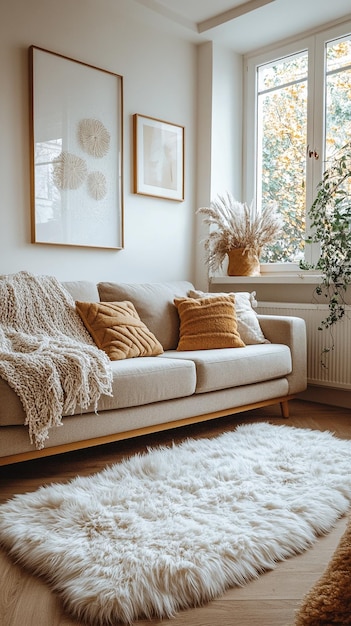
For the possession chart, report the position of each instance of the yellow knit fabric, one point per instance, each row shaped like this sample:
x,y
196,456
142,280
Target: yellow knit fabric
x,y
118,330
207,323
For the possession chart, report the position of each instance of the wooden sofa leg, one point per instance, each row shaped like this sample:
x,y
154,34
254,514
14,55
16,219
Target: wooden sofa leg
x,y
284,407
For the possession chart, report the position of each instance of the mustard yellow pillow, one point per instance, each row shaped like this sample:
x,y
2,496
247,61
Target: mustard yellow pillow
x,y
118,330
248,325
207,323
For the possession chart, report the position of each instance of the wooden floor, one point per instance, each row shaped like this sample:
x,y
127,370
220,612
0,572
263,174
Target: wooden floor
x,y
271,600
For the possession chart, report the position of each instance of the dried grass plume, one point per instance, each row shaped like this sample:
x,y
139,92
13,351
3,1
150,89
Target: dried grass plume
x,y
238,225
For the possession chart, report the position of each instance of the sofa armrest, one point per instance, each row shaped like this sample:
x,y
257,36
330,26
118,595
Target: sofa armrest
x,y
290,331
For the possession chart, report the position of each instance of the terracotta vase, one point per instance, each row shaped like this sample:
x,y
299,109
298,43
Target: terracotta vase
x,y
243,262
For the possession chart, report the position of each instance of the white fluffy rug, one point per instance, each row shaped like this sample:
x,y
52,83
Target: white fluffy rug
x,y
177,526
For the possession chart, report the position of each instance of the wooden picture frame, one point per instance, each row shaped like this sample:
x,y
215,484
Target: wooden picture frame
x,y
158,158
76,141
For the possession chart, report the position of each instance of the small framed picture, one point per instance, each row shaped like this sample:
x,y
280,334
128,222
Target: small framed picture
x,y
158,158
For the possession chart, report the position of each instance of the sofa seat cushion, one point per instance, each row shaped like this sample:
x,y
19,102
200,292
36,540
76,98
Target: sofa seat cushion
x,y
230,367
154,304
146,379
137,381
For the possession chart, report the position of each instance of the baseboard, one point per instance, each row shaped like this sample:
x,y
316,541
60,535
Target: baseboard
x,y
327,395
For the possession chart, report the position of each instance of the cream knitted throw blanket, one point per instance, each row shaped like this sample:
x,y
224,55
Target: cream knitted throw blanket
x,y
46,354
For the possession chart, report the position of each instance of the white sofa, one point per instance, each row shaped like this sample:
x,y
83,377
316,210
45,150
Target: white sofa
x,y
172,389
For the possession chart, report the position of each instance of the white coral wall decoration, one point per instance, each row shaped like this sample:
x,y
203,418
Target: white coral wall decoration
x,y
93,137
69,171
97,185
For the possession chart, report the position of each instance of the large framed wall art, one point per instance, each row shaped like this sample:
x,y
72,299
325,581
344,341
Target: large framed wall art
x,y
76,136
158,158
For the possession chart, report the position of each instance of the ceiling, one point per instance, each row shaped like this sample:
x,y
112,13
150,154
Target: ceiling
x,y
244,25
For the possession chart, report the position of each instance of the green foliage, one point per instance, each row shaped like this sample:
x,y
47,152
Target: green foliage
x,y
330,216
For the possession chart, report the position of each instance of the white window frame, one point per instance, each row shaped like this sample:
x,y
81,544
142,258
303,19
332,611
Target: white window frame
x,y
315,45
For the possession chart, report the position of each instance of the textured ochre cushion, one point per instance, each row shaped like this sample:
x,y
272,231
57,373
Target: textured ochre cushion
x,y
248,324
118,330
207,323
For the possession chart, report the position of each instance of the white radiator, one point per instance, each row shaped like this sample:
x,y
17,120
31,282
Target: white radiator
x,y
336,371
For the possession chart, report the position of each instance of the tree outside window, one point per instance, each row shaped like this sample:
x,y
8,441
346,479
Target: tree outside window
x,y
286,106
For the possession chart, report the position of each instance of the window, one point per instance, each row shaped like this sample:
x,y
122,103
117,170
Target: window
x,y
338,94
298,116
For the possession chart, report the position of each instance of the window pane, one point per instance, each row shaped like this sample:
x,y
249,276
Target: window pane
x,y
279,73
338,95
281,151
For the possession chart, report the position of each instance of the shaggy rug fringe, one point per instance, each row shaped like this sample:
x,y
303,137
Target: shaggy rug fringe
x,y
176,527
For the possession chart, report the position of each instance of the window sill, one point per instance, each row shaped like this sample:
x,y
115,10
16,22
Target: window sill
x,y
293,278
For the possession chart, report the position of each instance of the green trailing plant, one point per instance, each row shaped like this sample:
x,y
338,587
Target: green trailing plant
x,y
237,226
330,216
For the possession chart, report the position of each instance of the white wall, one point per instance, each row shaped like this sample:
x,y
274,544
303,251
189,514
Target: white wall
x,y
159,73
219,146
226,165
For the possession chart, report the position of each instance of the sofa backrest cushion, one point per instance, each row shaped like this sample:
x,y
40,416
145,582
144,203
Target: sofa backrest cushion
x,y
83,290
154,303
